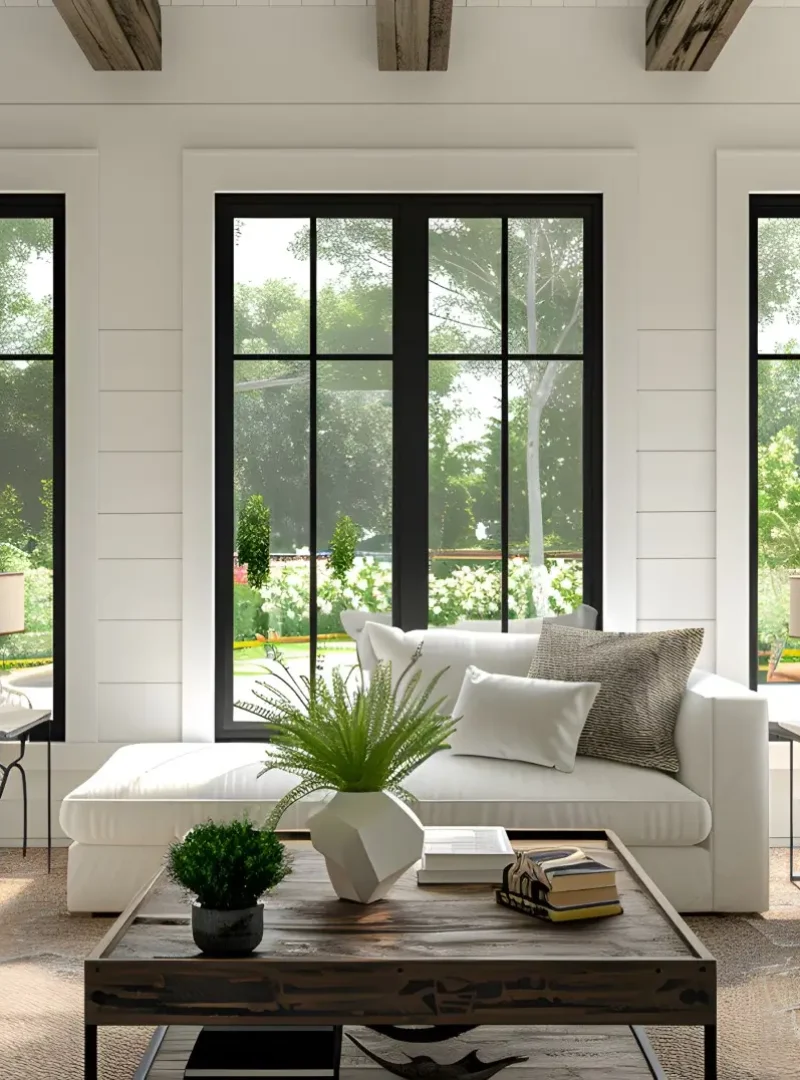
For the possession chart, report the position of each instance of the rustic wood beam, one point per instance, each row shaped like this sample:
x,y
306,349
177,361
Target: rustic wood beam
x,y
116,35
688,35
414,35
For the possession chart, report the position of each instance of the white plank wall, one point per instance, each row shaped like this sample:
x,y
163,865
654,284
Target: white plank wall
x,y
139,536
676,583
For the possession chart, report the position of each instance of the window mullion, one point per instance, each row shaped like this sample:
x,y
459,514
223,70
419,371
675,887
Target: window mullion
x,y
410,421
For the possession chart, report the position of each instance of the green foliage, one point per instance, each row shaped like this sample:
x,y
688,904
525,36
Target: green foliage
x,y
228,866
343,546
253,539
248,617
779,502
353,424
333,737
13,559
39,600
43,552
12,527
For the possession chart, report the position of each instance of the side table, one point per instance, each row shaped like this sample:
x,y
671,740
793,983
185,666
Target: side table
x,y
787,732
16,725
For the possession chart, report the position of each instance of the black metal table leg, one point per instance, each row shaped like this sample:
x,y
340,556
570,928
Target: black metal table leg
x,y
5,772
710,1052
90,1052
795,877
49,785
648,1053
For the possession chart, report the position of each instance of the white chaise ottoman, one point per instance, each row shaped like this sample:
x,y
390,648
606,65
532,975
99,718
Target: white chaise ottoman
x,y
123,818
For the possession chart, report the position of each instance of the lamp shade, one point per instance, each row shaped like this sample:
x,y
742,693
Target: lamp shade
x,y
794,605
12,603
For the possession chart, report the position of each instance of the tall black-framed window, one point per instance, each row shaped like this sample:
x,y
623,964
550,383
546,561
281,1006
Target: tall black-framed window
x,y
774,439
412,386
32,443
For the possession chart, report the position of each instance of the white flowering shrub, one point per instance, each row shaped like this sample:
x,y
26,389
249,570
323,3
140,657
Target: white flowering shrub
x,y
466,592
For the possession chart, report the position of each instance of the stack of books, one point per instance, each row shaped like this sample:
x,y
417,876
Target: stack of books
x,y
560,885
466,856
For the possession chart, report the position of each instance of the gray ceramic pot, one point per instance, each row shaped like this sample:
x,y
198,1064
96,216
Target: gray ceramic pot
x,y
227,933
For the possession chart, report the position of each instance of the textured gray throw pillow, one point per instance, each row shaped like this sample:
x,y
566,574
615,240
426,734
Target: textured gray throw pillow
x,y
642,681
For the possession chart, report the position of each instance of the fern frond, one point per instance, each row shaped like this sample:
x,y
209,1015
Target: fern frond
x,y
306,787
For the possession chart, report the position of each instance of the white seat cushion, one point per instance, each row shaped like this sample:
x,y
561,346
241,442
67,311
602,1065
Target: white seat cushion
x,y
152,792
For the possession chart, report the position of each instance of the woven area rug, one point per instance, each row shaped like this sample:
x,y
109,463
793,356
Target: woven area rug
x,y
42,949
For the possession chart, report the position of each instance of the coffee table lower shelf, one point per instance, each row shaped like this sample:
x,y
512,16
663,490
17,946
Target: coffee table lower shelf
x,y
554,1053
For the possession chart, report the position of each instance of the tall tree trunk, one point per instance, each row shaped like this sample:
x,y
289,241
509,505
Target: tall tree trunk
x,y
539,391
541,381
540,387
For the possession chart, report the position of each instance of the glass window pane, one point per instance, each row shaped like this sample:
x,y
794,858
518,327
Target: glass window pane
x,y
464,580
464,295
354,499
545,285
26,522
778,516
271,432
354,285
545,487
26,286
271,275
779,285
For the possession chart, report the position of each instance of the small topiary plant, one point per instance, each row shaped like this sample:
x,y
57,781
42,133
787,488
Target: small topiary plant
x,y
253,540
343,546
228,866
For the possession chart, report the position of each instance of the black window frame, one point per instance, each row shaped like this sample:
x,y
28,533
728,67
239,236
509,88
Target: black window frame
x,y
410,355
761,206
52,207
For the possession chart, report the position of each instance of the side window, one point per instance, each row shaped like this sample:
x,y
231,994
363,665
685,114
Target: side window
x,y
32,451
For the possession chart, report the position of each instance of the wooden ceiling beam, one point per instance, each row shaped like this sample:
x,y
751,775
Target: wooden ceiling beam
x,y
414,35
688,35
116,35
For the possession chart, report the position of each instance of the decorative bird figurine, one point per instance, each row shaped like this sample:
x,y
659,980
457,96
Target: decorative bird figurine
x,y
425,1068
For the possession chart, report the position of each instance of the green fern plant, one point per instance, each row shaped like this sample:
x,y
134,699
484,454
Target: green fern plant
x,y
334,737
253,540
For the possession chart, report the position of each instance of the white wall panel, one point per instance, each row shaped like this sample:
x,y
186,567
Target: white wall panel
x,y
676,481
140,281
139,712
139,483
677,359
676,589
139,536
139,652
677,535
676,420
138,589
708,653
140,360
140,420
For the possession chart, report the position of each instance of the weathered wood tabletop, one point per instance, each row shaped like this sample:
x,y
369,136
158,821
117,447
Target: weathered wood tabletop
x,y
436,954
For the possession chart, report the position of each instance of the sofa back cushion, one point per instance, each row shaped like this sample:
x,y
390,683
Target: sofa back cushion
x,y
354,623
583,616
455,650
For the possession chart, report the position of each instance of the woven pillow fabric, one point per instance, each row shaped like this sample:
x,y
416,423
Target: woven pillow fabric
x,y
642,682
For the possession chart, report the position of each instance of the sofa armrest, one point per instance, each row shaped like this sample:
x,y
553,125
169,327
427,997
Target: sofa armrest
x,y
723,746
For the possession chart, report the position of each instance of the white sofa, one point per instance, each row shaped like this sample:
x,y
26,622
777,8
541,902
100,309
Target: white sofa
x,y
702,836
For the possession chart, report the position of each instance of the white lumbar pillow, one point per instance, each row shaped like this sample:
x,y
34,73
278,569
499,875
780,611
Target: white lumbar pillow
x,y
517,719
454,650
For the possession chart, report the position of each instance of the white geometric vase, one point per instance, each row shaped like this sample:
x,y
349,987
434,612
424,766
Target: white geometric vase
x,y
368,839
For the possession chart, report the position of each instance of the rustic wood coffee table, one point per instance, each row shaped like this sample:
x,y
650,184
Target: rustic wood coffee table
x,y
438,955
